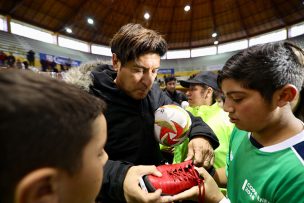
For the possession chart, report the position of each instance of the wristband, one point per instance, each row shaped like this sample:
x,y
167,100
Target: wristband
x,y
224,200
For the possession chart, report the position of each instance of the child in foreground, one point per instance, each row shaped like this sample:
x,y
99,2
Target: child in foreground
x,y
52,138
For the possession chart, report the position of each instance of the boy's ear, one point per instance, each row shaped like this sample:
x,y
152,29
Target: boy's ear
x,y
116,62
39,186
210,91
207,92
286,95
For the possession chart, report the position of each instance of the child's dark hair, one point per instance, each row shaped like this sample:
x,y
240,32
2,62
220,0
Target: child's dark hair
x,y
170,78
266,67
43,123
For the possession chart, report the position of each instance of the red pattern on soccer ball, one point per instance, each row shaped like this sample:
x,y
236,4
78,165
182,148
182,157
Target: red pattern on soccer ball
x,y
165,130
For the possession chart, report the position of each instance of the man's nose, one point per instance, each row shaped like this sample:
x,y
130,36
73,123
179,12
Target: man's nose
x,y
147,78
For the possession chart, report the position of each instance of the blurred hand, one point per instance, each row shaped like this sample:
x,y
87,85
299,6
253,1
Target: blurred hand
x,y
200,150
167,149
212,192
132,191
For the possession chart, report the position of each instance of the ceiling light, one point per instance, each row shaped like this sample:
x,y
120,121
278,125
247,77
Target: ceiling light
x,y
187,8
147,16
90,21
216,42
214,34
68,30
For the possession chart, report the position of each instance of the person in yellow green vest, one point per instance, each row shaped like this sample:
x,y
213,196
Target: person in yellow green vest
x,y
202,94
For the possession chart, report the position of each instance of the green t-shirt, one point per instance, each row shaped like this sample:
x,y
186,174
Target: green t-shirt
x,y
270,174
218,121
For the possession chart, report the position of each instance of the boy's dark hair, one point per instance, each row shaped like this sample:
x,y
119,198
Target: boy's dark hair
x,y
133,40
266,67
43,123
169,78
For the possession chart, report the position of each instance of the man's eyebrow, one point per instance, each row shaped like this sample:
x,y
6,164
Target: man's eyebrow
x,y
143,67
139,66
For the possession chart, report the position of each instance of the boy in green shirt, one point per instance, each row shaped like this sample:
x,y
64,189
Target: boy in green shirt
x,y
267,164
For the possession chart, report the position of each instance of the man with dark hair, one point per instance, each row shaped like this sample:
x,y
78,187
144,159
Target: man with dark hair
x,y
52,136
170,89
127,87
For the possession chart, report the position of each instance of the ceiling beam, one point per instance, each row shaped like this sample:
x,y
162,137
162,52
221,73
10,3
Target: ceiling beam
x,y
169,30
133,17
46,14
63,2
152,15
101,23
278,13
241,18
70,20
15,5
191,25
213,16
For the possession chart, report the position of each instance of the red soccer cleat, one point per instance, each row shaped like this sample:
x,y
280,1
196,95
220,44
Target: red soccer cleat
x,y
175,178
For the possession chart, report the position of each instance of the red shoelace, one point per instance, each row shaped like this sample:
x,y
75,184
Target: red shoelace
x,y
188,173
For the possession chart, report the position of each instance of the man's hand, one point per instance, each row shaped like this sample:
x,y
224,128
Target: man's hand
x,y
212,192
200,150
132,191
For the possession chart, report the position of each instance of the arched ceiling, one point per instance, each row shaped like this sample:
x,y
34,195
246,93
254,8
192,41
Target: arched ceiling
x,y
232,19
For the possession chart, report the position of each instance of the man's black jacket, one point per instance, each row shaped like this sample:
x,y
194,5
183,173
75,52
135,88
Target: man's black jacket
x,y
131,131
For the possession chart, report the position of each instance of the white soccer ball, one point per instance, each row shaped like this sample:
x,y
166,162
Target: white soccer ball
x,y
172,125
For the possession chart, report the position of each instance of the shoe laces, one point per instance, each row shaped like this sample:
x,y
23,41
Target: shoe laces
x,y
188,173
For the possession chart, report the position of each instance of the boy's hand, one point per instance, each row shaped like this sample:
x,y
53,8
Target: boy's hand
x,y
212,192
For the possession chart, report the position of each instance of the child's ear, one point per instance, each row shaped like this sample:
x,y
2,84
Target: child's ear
x,y
210,91
39,186
286,95
207,92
